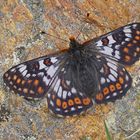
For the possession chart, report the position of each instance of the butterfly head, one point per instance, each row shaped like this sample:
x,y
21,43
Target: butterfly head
x,y
74,45
75,49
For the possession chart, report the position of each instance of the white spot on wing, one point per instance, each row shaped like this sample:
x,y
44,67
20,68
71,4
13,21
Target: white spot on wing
x,y
127,39
73,90
128,35
108,80
102,80
111,40
51,103
115,94
127,27
28,75
127,30
52,70
41,64
99,43
53,59
22,68
107,50
24,73
111,65
21,65
102,70
113,73
107,97
126,77
57,109
67,82
40,74
72,109
111,77
64,94
46,80
13,69
134,26
69,94
59,92
57,85
117,47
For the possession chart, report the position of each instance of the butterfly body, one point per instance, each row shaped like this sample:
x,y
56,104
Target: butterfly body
x,y
86,73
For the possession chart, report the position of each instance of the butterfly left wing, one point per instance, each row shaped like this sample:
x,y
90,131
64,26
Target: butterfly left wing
x,y
114,80
122,44
64,99
32,79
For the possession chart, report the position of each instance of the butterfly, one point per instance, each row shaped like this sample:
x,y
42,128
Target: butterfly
x,y
74,79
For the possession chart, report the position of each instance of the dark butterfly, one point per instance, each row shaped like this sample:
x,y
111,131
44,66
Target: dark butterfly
x,y
88,72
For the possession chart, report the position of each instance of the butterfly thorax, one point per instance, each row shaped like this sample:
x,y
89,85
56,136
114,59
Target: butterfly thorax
x,y
75,50
82,71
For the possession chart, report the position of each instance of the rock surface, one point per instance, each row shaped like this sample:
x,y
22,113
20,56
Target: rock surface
x,y
21,24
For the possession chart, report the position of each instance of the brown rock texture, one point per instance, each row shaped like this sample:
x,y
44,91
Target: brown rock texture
x,y
21,24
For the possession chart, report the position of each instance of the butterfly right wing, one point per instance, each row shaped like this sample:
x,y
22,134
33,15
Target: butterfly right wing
x,y
121,45
32,79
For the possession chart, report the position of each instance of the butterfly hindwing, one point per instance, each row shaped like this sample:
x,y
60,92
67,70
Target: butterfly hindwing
x,y
64,99
32,79
114,80
122,44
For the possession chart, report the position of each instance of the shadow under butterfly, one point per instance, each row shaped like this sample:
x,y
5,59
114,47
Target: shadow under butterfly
x,y
85,73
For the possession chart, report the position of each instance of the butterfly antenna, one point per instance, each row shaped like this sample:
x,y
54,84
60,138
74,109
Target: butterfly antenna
x,y
43,32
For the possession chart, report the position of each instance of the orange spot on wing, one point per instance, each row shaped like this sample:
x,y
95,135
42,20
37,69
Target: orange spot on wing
x,y
64,105
126,50
18,81
138,49
77,100
99,96
112,88
40,90
86,101
36,82
23,82
137,37
14,77
118,86
129,44
138,32
127,58
105,91
58,102
121,80
70,102
29,81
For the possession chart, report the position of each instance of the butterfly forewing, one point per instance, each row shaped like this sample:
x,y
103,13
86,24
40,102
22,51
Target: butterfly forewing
x,y
122,44
32,79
